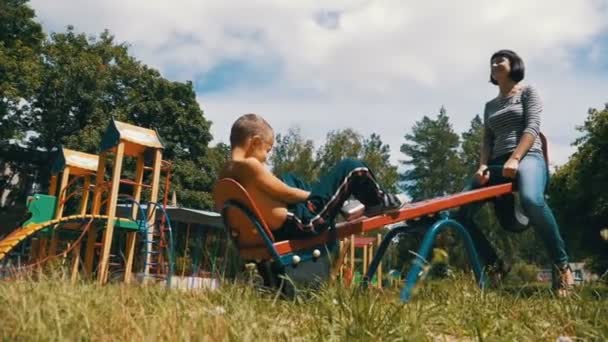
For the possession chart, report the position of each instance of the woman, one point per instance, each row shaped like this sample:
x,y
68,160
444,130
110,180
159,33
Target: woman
x,y
512,142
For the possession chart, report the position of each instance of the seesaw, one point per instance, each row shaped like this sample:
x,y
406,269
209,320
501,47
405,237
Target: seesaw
x,y
275,259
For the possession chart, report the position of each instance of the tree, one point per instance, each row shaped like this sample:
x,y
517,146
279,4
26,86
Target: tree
x,y
578,192
433,166
377,155
292,153
20,42
349,144
84,82
471,146
340,144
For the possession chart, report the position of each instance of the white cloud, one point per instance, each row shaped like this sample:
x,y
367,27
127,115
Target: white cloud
x,y
376,66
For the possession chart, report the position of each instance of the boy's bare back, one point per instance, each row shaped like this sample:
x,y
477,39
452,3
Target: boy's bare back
x,y
254,177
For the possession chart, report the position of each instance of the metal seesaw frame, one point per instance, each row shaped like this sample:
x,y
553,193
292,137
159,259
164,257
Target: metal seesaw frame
x,y
290,253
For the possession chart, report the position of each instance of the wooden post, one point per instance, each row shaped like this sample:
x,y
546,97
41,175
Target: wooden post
x,y
38,247
379,273
34,249
84,201
96,208
365,260
132,236
340,261
370,256
352,256
75,262
83,210
153,199
42,248
63,190
111,213
53,185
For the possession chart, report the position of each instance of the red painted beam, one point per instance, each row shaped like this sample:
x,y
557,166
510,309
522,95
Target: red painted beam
x,y
368,224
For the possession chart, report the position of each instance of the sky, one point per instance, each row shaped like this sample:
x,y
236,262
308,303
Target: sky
x,y
373,66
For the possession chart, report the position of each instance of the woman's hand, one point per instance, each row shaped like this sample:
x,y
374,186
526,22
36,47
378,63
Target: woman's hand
x,y
482,175
509,170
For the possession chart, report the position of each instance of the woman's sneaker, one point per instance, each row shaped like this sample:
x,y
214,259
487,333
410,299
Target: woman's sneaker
x,y
390,202
563,280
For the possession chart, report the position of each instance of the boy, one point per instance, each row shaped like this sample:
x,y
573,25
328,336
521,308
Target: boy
x,y
291,208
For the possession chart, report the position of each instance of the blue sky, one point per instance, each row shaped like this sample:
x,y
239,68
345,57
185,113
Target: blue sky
x,y
374,66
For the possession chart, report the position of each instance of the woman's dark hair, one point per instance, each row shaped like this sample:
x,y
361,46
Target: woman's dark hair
x,y
517,65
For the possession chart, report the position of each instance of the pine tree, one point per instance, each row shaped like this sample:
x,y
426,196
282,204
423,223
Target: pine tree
x,y
433,167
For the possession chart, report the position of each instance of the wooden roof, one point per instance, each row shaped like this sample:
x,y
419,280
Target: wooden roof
x,y
80,163
135,138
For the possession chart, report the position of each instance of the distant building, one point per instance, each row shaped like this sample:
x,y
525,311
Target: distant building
x,y
579,272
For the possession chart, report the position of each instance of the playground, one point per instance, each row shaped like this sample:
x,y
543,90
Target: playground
x,y
85,241
399,180
84,220
99,223
101,238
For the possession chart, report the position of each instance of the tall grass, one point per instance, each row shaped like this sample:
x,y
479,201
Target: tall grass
x,y
50,308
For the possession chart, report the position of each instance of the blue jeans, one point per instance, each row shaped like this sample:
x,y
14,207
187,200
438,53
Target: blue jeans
x,y
531,180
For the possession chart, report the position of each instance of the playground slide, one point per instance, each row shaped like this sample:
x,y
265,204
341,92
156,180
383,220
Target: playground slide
x,y
21,234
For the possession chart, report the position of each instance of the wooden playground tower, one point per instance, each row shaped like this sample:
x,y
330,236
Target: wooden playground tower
x,y
123,140
71,175
69,167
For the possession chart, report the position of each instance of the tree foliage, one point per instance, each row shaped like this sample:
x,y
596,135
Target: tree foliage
x,y
79,84
347,143
471,146
20,41
294,154
433,167
377,155
20,68
339,144
578,192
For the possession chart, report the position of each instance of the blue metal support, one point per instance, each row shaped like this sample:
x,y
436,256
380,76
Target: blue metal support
x,y
425,249
386,241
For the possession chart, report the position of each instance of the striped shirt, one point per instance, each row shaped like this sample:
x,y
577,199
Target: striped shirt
x,y
506,119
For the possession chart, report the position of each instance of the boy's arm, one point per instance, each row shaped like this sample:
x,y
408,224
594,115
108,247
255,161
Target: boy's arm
x,y
272,185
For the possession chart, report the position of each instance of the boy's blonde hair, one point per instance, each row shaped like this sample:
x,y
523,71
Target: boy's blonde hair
x,y
248,126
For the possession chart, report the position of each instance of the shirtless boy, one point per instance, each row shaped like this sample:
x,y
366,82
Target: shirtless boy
x,y
292,208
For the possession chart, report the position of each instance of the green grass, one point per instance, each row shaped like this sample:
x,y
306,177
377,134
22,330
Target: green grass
x,y
53,309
